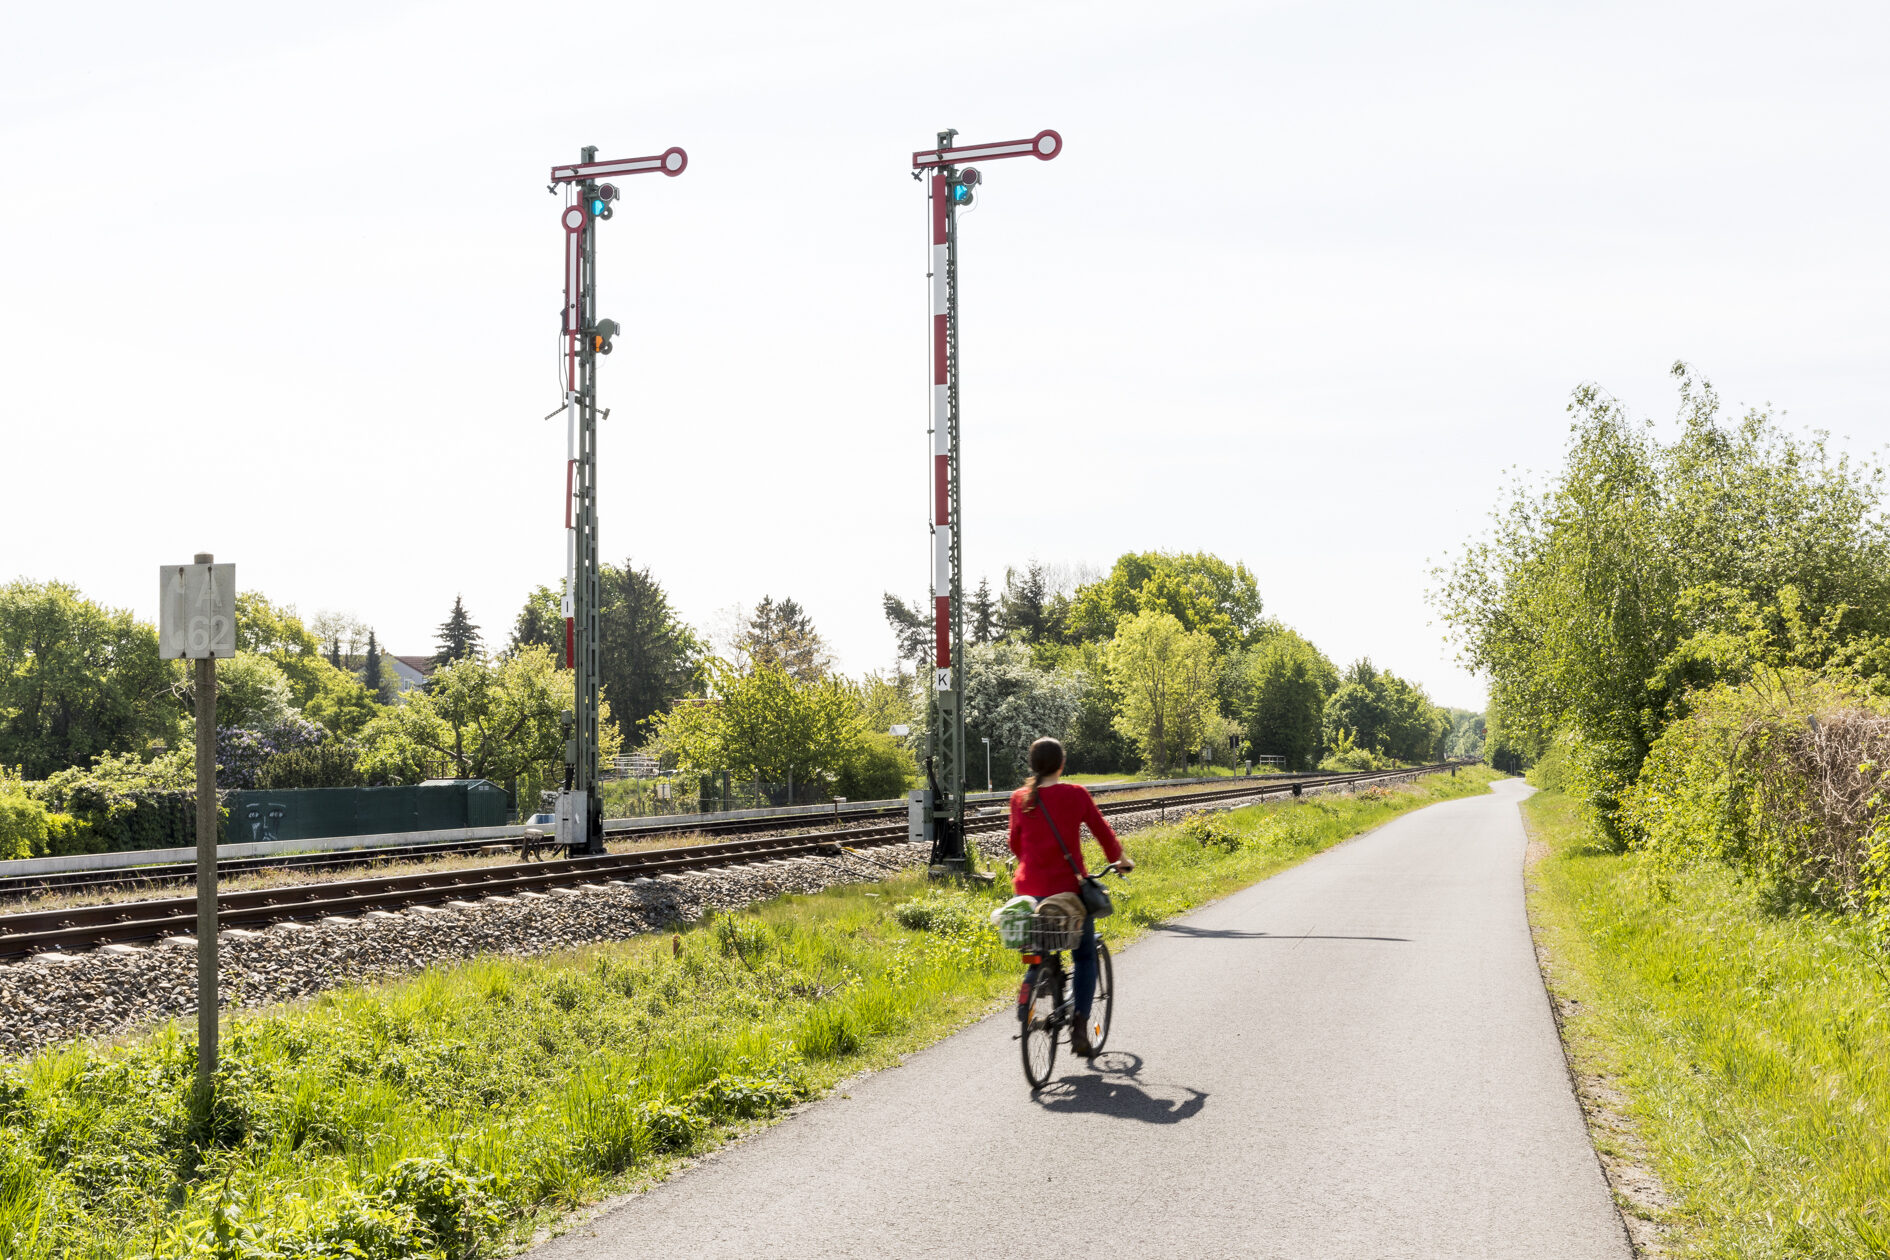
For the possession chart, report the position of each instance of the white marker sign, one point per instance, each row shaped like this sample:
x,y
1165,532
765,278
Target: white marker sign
x,y
196,611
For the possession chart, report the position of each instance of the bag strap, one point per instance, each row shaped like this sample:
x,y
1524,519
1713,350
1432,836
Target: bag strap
x,y
1045,811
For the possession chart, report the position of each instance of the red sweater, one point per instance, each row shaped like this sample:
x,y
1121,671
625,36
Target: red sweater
x,y
1041,870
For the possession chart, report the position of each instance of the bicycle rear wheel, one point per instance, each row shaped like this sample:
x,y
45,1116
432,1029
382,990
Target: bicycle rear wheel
x,y
1038,1034
1103,1006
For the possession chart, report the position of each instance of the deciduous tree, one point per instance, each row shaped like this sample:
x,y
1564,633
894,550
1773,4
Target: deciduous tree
x,y
1167,678
1200,590
482,718
318,688
1095,744
1280,691
1595,601
252,693
1013,702
763,723
341,636
76,680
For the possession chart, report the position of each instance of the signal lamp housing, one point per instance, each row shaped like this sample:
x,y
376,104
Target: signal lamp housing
x,y
964,187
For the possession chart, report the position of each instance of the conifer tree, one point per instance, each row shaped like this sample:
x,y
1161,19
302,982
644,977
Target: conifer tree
x,y
984,614
782,635
912,626
1024,607
372,676
459,637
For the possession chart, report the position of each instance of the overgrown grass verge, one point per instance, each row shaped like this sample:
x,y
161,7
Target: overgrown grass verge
x,y
453,1112
1748,1034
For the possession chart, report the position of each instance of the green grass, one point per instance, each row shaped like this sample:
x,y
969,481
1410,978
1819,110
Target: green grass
x,y
455,1111
1749,1035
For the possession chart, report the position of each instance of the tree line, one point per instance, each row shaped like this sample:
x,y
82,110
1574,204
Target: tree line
x,y
1165,663
1168,662
1692,634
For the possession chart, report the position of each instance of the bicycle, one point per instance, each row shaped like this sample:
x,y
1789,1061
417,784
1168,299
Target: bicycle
x,y
1043,1008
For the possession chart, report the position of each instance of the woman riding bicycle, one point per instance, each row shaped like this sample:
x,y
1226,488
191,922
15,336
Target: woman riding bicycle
x,y
1042,868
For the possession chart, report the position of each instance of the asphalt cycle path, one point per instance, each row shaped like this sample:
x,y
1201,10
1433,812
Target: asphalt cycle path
x,y
1355,1058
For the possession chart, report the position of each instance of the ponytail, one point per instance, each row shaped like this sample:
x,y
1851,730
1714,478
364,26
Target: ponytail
x,y
1046,759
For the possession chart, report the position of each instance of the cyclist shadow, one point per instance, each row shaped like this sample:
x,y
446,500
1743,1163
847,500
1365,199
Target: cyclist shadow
x,y
1288,938
1110,1087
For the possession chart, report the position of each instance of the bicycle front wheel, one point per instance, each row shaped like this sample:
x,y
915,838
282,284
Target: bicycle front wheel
x,y
1102,1007
1038,1035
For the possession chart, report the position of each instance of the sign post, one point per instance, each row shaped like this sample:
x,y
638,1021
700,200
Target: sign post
x,y
589,198
940,806
197,621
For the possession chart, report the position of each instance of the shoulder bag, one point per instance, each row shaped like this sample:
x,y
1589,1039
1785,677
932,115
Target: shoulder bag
x,y
1093,891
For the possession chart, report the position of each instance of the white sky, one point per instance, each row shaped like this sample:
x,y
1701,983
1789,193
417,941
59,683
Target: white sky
x,y
282,282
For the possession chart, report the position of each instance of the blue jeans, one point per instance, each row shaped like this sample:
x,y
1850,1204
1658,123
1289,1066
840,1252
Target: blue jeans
x,y
1084,978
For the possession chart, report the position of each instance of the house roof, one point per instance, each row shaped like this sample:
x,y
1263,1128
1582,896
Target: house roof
x,y
419,664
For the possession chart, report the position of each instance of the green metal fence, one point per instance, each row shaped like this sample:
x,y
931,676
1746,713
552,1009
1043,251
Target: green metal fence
x,y
307,813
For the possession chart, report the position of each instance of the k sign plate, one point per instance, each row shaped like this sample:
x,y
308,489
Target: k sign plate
x,y
196,611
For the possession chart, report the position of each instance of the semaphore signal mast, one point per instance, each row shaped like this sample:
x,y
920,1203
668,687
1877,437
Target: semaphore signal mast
x,y
938,810
588,198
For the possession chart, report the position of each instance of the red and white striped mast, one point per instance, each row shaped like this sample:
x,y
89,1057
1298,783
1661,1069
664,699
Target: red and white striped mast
x,y
951,187
588,198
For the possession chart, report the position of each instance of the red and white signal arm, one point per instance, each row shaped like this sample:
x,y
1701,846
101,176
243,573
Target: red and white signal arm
x,y
1043,146
577,216
671,161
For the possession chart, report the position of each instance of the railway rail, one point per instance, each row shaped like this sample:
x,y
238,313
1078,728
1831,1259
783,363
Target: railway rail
x,y
173,874
162,874
89,926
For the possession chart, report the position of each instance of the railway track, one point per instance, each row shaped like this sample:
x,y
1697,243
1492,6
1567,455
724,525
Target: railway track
x,y
175,874
162,874
170,874
88,926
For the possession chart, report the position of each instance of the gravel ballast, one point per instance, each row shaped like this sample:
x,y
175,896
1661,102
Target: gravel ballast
x,y
123,989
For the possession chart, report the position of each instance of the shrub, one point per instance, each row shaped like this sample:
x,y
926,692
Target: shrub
x,y
1783,777
22,820
121,802
1210,832
28,829
450,1202
1347,757
1551,771
243,753
332,763
744,1097
668,1126
943,912
880,769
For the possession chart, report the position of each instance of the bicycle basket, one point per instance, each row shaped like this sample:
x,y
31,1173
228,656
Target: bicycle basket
x,y
1052,934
